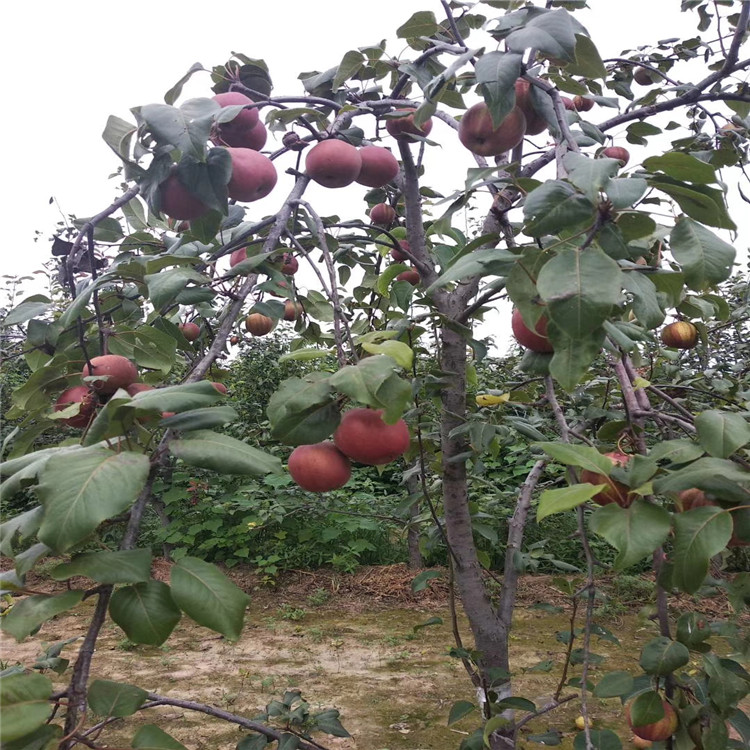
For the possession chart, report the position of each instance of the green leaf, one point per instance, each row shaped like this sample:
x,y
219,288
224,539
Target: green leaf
x,y
721,433
682,166
151,737
705,259
350,64
401,353
109,698
588,62
118,134
460,709
583,456
146,612
206,595
222,453
623,192
496,74
614,685
421,581
645,299
328,722
177,398
253,742
163,287
646,708
25,311
590,175
25,702
565,498
200,419
634,532
601,739
699,534
28,614
662,656
553,33
580,289
699,202
714,475
174,93
491,261
374,381
81,489
303,411
46,737
422,23
119,566
175,127
554,206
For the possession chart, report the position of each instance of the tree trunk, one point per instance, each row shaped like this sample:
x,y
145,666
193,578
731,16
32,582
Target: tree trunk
x,y
412,534
490,636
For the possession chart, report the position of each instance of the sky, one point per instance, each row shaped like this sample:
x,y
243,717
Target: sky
x,y
67,66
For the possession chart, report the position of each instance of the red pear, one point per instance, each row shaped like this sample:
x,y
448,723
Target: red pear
x,y
333,163
363,436
535,340
115,371
477,132
379,166
82,395
253,175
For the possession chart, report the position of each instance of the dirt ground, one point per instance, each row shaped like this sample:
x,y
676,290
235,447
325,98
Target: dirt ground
x,y
349,642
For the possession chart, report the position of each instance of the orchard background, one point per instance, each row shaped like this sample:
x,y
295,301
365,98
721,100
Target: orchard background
x,y
178,390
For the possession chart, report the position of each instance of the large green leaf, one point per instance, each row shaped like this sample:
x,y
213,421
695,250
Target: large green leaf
x,y
662,656
46,737
79,490
351,63
163,287
177,398
206,595
634,532
303,410
25,702
554,206
721,433
146,612
646,708
222,453
374,381
109,698
582,456
645,299
718,476
553,33
614,685
496,74
20,527
422,23
151,737
706,259
699,202
580,289
565,498
200,419
108,566
682,166
28,614
589,175
699,534
572,358
173,126
601,739
493,261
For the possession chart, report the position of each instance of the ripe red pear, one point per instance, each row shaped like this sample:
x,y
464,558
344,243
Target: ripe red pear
x,y
82,395
614,492
383,215
363,436
237,257
680,335
191,331
253,175
319,467
535,340
477,132
220,387
258,324
379,166
402,128
134,388
412,276
535,123
659,730
397,254
568,104
292,310
245,119
582,104
289,264
333,163
116,372
643,76
617,152
178,202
